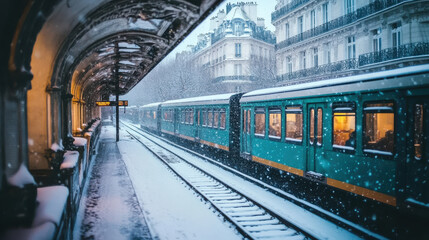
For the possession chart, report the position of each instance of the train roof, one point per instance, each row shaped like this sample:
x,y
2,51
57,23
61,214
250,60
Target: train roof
x,y
151,105
363,82
202,100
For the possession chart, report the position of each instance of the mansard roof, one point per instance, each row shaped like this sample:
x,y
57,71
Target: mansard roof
x,y
236,13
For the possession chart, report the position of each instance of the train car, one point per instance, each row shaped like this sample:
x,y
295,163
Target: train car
x,y
364,134
209,120
131,113
149,117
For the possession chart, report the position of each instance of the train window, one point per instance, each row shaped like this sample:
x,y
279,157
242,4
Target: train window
x,y
293,124
210,118
311,126
248,121
154,114
216,118
260,122
275,123
199,118
244,121
205,117
379,128
182,116
319,126
344,126
222,118
191,116
418,131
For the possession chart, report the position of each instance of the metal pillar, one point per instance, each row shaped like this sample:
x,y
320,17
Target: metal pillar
x,y
117,90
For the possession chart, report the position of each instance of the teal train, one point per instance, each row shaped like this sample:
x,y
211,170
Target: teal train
x,y
364,136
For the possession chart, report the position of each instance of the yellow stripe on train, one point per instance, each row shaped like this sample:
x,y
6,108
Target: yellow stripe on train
x,y
377,196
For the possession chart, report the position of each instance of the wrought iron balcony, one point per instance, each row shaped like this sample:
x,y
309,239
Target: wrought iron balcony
x,y
406,50
360,13
235,77
287,9
339,66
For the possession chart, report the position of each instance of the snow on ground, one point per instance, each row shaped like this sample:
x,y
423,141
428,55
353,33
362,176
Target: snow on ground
x,y
172,210
309,221
109,207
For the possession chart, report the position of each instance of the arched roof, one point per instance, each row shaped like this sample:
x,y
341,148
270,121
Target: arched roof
x,y
95,43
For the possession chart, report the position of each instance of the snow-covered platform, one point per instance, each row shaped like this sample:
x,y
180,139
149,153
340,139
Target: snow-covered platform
x,y
109,207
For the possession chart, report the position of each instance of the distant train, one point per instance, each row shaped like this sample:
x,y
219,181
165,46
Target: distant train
x,y
364,134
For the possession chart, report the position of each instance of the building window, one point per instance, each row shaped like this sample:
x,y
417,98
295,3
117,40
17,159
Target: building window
x,y
344,126
315,57
275,123
237,69
289,64
238,50
303,60
300,25
349,6
260,122
379,128
351,47
287,31
312,19
325,18
327,53
396,34
376,40
293,124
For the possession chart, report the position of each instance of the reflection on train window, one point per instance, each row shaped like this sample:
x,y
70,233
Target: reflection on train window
x,y
319,126
260,122
344,126
198,118
311,126
379,128
244,121
248,121
293,124
204,117
216,119
418,131
222,118
191,116
210,118
275,123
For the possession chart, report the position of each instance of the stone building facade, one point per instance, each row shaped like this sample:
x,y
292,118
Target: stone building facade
x,y
236,46
323,39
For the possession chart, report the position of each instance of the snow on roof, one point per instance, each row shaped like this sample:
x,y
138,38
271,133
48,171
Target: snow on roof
x,y
344,80
212,99
236,12
151,105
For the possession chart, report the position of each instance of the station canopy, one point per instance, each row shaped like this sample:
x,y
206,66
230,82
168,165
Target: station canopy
x,y
99,42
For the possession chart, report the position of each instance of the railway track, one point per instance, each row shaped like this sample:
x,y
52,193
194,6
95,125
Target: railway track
x,y
250,218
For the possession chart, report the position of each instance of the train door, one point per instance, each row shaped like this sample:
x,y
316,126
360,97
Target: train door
x,y
245,132
315,133
417,173
176,121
